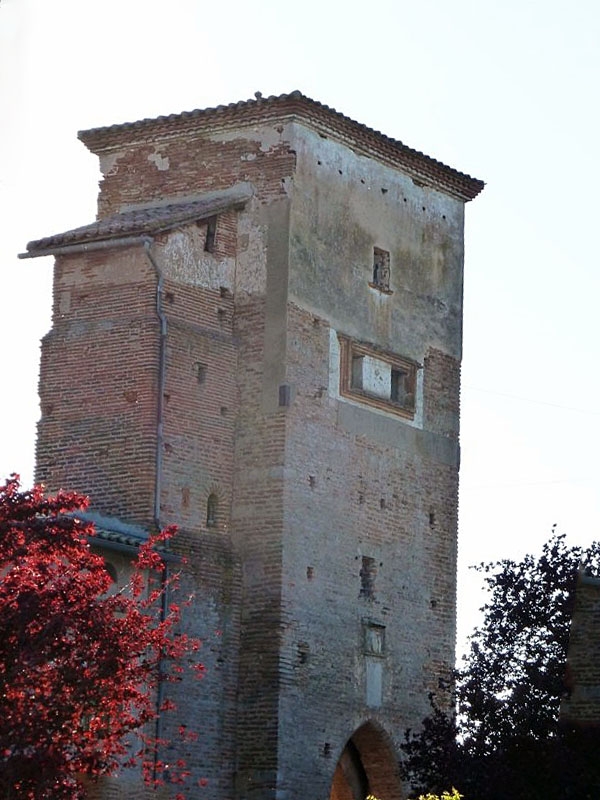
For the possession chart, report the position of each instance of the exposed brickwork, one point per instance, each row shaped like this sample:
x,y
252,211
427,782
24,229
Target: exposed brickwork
x,y
378,500
196,165
201,404
257,524
98,382
441,391
307,488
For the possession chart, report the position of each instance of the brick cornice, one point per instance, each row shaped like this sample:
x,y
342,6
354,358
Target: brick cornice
x,y
294,107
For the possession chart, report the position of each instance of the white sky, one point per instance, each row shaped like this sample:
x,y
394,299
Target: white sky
x,y
505,90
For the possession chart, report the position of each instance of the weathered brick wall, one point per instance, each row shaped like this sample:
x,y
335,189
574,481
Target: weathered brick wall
x,y
441,393
208,707
193,164
214,367
348,495
201,405
98,383
313,490
200,399
257,522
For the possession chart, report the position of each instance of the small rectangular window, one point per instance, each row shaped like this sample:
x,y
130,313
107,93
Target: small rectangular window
x,y
381,270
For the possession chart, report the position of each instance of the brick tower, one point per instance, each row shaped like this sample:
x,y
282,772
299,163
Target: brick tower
x,y
259,340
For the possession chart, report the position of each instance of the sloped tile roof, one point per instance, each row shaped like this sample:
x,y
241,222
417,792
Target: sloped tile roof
x,y
112,529
141,222
112,533
293,106
108,539
105,535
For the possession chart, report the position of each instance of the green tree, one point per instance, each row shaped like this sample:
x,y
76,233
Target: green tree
x,y
505,740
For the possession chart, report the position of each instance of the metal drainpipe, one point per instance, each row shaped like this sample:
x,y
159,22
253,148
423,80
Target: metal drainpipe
x,y
162,360
160,692
86,247
162,365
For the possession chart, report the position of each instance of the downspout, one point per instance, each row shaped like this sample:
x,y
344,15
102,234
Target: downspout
x,y
160,692
162,371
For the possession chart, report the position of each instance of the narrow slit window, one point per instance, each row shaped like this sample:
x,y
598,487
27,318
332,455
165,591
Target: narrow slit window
x,y
211,233
212,505
381,269
368,573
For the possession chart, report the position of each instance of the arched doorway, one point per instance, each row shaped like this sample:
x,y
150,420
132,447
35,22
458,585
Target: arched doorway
x,y
367,766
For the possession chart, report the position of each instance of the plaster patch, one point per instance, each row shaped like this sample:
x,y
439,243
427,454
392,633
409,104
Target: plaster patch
x,y
374,683
251,273
183,259
161,162
334,364
267,136
108,163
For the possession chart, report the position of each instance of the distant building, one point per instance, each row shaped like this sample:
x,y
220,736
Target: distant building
x,y
581,706
259,340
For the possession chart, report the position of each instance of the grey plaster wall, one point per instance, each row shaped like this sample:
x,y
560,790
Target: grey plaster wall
x,y
344,205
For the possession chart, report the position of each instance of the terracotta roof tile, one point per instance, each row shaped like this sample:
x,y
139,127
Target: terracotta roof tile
x,y
293,106
141,222
112,533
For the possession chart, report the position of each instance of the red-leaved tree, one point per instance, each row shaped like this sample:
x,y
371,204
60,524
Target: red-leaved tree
x,y
79,664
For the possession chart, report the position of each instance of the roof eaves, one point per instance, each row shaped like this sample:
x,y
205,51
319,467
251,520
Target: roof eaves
x,y
113,534
291,106
132,226
118,543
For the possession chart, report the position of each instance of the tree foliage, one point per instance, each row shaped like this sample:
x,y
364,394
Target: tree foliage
x,y
453,795
505,739
79,663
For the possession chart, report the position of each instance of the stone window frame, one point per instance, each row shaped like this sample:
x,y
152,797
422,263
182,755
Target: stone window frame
x,y
351,349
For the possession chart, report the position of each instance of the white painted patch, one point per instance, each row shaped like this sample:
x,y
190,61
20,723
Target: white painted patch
x,y
161,162
183,259
108,163
375,376
374,683
334,364
267,136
